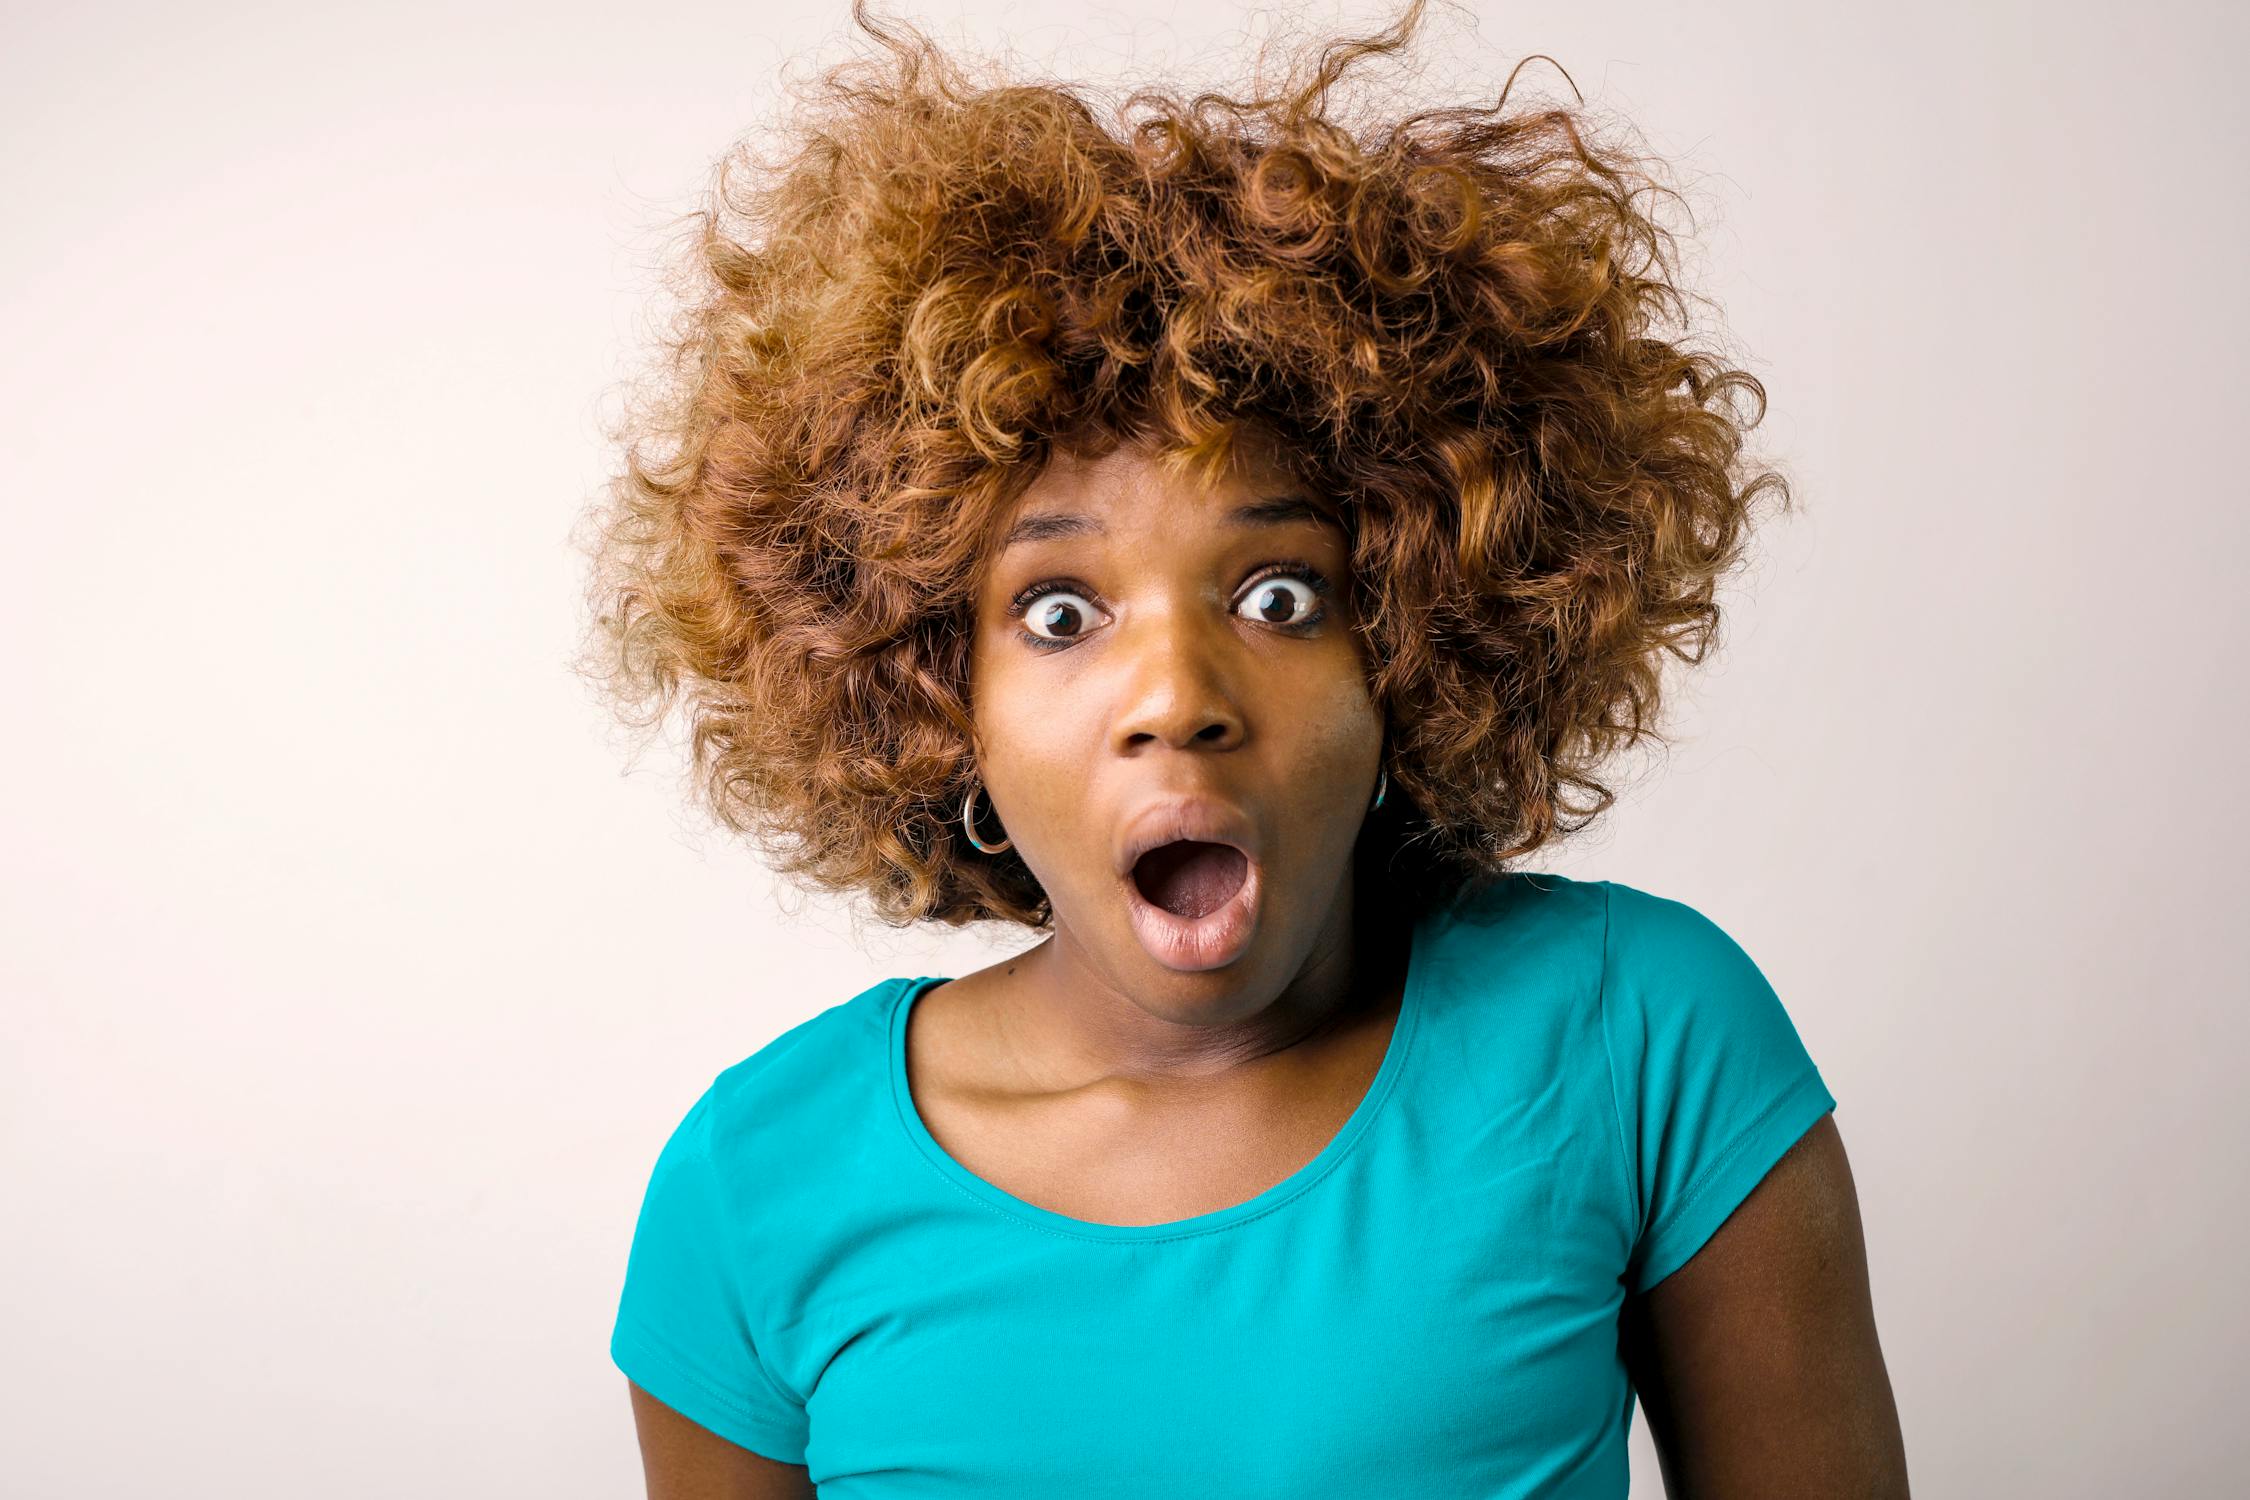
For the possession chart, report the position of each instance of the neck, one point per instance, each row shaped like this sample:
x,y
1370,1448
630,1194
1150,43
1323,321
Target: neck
x,y
1074,1026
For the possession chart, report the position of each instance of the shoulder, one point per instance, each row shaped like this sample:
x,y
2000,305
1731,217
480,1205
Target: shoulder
x,y
1657,974
1514,964
1644,924
1519,911
1662,955
1627,935
805,1078
1518,931
1711,1074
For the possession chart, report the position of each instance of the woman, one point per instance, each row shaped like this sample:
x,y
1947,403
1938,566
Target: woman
x,y
1222,544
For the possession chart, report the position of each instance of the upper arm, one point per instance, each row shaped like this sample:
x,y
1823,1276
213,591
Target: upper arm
x,y
1757,1361
686,1333
684,1461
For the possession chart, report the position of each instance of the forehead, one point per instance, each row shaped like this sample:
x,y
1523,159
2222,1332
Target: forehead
x,y
1077,496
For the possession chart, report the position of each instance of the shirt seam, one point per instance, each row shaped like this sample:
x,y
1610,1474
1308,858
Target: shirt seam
x,y
1740,1142
731,1244
637,1331
1609,1056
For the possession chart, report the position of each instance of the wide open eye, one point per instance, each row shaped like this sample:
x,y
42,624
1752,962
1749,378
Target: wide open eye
x,y
1284,599
1059,615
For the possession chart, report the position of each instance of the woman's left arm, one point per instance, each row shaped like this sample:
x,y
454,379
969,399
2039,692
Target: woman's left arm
x,y
1757,1363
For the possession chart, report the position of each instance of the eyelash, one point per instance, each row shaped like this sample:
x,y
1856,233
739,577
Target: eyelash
x,y
1303,572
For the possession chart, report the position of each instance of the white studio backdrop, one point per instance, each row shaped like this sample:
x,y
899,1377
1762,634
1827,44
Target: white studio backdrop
x,y
353,972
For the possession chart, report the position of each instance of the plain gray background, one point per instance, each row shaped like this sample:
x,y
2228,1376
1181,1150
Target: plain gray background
x,y
354,972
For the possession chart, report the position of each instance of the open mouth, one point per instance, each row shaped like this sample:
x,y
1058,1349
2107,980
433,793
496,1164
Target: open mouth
x,y
1190,878
1194,903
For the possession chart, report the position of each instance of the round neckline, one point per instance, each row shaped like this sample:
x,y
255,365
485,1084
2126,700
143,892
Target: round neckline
x,y
1327,1160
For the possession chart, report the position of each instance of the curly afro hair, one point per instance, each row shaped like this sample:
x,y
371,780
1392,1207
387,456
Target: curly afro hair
x,y
1451,320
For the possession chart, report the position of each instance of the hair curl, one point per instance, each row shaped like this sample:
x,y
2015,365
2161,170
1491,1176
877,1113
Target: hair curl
x,y
1450,319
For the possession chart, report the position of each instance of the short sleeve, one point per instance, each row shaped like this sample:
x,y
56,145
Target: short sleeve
x,y
683,1327
1711,1082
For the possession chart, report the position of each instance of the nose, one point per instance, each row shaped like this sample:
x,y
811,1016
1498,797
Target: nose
x,y
1177,691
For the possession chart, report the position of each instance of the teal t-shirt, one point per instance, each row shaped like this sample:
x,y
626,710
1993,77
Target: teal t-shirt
x,y
1583,1082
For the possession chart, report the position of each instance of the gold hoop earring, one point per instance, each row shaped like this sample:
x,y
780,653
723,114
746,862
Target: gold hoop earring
x,y
968,823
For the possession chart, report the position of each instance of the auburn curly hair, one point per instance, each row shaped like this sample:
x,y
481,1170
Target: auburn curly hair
x,y
1451,320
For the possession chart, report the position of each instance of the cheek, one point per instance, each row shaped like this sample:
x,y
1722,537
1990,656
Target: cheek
x,y
1034,743
996,687
1338,745
1014,706
1344,727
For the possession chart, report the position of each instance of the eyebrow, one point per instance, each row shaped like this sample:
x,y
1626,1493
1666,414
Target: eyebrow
x,y
1276,510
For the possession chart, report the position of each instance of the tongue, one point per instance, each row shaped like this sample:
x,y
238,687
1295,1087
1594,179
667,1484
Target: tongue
x,y
1189,878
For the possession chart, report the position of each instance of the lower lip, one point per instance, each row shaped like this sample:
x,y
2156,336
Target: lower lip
x,y
1190,944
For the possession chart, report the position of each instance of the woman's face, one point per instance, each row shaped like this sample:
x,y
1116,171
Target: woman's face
x,y
1153,659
